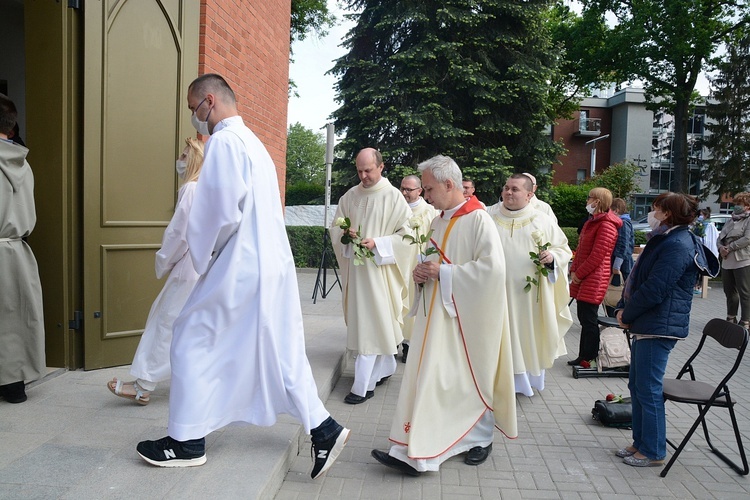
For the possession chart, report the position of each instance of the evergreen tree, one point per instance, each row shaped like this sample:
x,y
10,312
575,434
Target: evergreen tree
x,y
729,139
464,78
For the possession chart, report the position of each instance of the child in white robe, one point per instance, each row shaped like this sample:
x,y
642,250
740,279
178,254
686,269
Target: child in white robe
x,y
151,361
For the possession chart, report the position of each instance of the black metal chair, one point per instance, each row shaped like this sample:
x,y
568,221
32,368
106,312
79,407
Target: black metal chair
x,y
706,395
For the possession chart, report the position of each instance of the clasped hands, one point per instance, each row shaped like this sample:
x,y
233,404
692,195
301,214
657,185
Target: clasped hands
x,y
426,271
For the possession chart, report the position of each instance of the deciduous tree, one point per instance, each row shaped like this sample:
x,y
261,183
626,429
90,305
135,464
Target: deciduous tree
x,y
666,44
729,123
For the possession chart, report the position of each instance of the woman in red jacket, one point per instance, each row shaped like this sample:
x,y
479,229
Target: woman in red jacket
x,y
590,271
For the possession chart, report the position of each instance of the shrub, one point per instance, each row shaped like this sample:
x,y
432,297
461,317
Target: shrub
x,y
305,193
307,245
568,201
572,234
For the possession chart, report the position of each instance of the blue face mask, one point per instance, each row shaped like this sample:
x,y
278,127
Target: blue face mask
x,y
739,210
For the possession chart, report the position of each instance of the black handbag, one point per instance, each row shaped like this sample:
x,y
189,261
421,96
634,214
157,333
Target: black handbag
x,y
613,414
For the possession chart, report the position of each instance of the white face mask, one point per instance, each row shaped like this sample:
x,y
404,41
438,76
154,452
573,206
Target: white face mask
x,y
653,222
591,208
201,127
181,166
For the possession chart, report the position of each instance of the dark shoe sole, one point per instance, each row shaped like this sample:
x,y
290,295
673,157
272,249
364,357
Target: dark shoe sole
x,y
478,455
394,463
575,362
354,399
382,381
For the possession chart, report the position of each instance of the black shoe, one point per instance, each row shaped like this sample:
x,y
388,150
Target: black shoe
x,y
394,463
381,382
478,455
168,452
353,399
404,352
575,362
326,452
14,392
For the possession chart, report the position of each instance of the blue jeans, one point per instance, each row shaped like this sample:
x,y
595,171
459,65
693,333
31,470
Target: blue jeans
x,y
647,366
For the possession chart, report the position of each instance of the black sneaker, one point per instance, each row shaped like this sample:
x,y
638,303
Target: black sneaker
x,y
325,453
168,452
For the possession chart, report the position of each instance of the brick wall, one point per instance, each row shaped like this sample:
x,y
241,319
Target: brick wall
x,y
579,154
247,42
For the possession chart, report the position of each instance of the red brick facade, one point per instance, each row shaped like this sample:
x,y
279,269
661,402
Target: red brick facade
x,y
579,154
247,42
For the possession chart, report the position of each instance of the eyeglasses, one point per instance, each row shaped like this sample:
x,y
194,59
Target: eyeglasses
x,y
407,190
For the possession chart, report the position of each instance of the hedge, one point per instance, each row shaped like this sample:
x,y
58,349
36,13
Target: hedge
x,y
307,245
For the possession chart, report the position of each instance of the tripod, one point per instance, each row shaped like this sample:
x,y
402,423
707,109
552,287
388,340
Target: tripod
x,y
323,270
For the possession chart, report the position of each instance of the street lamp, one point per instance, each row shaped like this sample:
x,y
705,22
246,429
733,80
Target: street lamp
x,y
593,152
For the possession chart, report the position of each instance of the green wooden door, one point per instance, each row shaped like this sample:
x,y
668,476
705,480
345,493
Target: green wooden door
x,y
139,57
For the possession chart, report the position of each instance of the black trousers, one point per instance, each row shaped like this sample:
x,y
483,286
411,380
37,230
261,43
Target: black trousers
x,y
588,348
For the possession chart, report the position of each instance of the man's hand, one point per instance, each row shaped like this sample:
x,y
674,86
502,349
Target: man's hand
x,y
546,258
724,251
352,233
426,271
575,278
368,243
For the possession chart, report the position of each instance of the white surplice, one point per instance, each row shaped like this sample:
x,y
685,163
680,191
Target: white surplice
x,y
544,207
151,361
537,326
374,294
423,213
238,352
460,365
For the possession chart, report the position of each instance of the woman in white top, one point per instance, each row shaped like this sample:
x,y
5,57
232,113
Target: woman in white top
x,y
151,361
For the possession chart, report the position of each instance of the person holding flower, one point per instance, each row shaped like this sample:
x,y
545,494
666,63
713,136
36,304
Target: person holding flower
x,y
458,381
592,268
374,290
419,224
536,258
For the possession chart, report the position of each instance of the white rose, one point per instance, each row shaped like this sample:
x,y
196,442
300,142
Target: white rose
x,y
414,223
339,222
537,237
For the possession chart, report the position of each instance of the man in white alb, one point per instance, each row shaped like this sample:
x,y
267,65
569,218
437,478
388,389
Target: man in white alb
x,y
539,313
238,350
374,293
422,215
458,381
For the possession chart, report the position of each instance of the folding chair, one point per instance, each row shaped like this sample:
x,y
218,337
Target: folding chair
x,y
706,396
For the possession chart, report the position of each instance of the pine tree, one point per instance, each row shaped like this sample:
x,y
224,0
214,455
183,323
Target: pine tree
x,y
468,79
729,139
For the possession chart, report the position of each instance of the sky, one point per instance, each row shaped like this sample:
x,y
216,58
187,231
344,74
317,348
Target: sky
x,y
313,57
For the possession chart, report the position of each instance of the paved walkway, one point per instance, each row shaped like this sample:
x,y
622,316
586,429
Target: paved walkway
x,y
74,440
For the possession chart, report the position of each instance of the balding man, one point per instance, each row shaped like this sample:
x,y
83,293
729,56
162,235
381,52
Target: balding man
x,y
540,205
539,314
422,215
238,351
374,293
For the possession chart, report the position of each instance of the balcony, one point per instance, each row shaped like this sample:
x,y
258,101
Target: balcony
x,y
588,127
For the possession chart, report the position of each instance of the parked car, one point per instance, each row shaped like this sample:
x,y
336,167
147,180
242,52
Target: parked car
x,y
718,219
